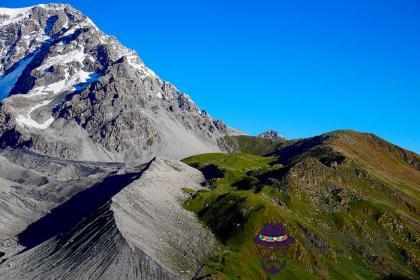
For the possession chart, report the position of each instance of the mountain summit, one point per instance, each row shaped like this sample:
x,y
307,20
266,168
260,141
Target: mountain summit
x,y
74,92
272,135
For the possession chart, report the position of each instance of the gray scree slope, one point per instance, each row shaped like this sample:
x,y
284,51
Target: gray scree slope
x,y
124,224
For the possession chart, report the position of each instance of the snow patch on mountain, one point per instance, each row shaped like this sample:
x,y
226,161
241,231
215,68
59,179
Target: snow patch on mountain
x,y
77,55
13,15
85,23
8,81
69,83
134,61
29,122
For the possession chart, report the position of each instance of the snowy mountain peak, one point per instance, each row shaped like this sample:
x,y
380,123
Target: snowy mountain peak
x,y
13,12
57,69
9,16
16,15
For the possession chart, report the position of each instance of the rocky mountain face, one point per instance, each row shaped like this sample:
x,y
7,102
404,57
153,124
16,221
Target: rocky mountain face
x,y
76,93
272,135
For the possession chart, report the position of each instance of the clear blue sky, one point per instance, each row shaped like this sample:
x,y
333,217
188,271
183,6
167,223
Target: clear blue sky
x,y
300,67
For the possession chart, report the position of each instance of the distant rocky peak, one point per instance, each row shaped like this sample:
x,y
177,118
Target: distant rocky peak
x,y
272,135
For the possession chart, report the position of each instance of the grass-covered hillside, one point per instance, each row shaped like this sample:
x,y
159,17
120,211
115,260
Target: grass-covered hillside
x,y
351,219
249,144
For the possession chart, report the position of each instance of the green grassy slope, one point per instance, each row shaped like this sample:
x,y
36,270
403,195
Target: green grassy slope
x,y
350,221
249,144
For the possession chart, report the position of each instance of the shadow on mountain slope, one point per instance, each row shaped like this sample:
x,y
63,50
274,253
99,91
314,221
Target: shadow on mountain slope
x,y
68,214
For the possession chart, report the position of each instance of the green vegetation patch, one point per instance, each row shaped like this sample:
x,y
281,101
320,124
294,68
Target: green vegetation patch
x,y
250,144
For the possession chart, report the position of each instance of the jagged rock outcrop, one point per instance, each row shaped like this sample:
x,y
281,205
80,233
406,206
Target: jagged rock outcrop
x,y
272,135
